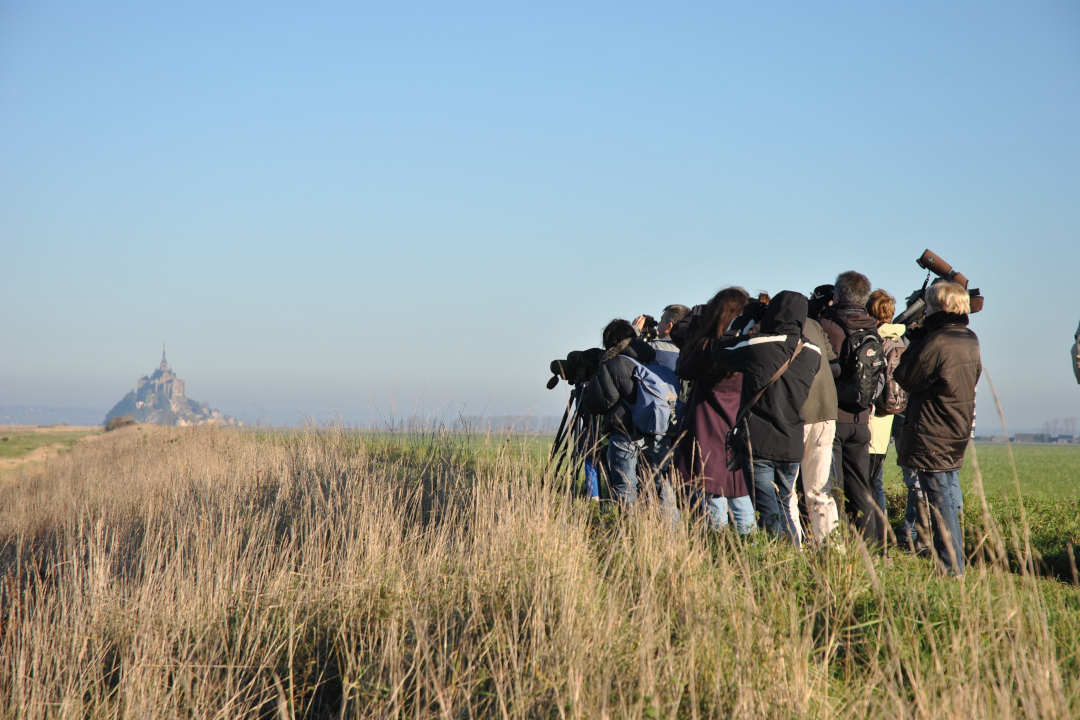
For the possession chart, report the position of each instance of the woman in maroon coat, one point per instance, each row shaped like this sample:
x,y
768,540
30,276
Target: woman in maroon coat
x,y
700,457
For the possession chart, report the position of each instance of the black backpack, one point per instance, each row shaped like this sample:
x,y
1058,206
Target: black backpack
x,y
862,370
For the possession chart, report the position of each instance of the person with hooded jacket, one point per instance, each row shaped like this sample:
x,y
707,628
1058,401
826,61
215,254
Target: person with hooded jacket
x,y
819,414
939,371
611,392
774,424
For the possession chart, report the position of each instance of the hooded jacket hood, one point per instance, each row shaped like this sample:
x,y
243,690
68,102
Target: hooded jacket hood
x,y
786,314
891,331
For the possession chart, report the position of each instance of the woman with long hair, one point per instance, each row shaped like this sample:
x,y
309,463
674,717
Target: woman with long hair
x,y
701,456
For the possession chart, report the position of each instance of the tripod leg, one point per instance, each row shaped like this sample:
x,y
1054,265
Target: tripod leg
x,y
562,428
568,447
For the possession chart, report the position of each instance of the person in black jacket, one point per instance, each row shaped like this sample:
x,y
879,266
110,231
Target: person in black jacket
x,y
610,393
774,424
851,446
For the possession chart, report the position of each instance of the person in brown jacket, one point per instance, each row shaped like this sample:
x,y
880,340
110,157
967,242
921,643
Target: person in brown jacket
x,y
939,371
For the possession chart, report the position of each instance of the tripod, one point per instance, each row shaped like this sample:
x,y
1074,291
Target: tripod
x,y
577,440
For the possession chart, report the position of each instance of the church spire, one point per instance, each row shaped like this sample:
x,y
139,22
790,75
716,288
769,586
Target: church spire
x,y
164,363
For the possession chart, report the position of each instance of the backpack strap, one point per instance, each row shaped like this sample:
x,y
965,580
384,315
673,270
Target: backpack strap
x,y
776,376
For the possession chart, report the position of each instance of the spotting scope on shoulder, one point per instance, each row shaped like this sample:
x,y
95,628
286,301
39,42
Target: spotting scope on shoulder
x,y
915,311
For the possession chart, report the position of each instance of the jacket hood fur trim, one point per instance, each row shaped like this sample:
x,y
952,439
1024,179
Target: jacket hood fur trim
x,y
615,350
635,348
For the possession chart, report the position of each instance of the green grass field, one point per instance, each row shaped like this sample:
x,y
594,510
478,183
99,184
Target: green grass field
x,y
1049,481
18,440
1045,472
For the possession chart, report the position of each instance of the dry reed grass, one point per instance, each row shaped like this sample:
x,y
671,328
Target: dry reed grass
x,y
211,574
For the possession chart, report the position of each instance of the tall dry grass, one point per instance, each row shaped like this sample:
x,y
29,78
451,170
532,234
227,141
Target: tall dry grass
x,y
211,574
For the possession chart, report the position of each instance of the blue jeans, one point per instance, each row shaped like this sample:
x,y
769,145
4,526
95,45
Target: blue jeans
x,y
716,509
946,502
773,483
658,457
659,454
592,482
622,456
909,531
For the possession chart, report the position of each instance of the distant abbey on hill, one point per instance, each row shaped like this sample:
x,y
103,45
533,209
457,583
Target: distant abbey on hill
x,y
160,400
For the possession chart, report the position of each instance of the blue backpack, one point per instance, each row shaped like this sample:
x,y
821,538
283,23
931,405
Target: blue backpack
x,y
657,391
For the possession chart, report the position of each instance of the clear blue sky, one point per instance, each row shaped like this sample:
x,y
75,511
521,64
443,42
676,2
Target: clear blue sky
x,y
319,206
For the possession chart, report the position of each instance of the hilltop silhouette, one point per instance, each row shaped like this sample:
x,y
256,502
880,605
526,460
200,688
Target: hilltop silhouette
x,y
159,399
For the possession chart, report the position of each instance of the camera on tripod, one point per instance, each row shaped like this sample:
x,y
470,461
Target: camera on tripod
x,y
915,311
578,436
577,368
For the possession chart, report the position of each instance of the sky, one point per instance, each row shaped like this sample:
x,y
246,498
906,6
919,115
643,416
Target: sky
x,y
375,209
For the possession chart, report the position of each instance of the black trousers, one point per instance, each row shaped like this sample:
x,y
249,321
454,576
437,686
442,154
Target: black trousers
x,y
851,459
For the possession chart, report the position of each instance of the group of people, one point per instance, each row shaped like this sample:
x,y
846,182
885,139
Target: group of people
x,y
786,406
